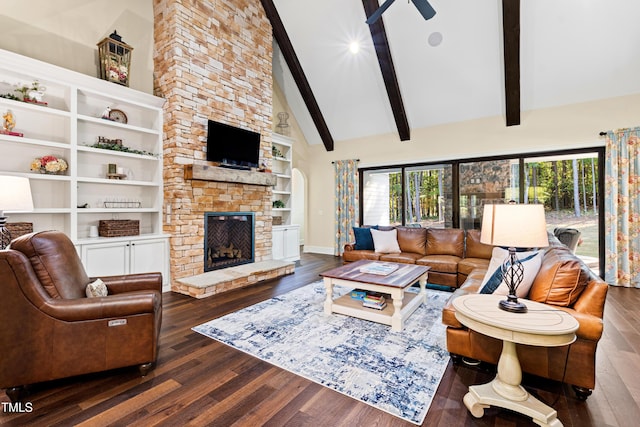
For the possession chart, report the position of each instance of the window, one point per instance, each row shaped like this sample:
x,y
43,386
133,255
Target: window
x,y
428,190
568,186
417,195
382,197
486,182
453,194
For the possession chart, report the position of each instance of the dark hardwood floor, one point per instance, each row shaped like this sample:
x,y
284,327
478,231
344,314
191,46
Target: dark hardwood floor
x,y
198,381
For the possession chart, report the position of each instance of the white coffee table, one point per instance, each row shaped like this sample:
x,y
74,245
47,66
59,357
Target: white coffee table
x,y
541,325
395,284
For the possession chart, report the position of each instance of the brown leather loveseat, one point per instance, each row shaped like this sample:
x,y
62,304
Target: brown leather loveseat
x,y
51,329
452,253
563,282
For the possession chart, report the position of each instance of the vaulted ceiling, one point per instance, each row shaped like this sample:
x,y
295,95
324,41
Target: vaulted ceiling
x,y
570,51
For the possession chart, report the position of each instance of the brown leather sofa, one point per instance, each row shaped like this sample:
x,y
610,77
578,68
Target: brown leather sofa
x,y
51,330
451,253
563,282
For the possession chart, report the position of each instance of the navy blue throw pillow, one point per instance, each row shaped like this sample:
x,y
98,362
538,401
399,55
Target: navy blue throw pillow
x,y
364,241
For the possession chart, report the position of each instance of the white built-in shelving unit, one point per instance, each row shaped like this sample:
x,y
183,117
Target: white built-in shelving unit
x,y
286,236
81,197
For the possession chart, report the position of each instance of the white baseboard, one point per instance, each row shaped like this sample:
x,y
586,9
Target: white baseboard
x,y
318,250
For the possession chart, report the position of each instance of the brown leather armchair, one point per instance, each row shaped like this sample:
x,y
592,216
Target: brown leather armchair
x,y
51,330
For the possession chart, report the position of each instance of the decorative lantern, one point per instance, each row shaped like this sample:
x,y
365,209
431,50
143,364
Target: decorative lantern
x,y
115,59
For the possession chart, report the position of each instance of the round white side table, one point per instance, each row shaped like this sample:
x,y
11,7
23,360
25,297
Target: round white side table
x,y
541,325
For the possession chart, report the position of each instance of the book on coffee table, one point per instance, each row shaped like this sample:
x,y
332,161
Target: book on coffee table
x,y
374,301
377,306
379,268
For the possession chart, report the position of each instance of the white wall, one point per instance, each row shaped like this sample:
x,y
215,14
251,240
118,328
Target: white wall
x,y
66,33
572,126
298,201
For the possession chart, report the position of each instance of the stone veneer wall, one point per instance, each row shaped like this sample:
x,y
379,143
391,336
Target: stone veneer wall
x,y
212,60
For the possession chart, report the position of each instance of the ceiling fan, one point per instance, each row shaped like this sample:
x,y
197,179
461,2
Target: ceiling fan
x,y
423,7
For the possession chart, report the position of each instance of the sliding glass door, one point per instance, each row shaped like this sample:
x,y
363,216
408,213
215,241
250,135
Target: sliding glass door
x,y
486,182
453,194
412,196
382,197
428,196
568,186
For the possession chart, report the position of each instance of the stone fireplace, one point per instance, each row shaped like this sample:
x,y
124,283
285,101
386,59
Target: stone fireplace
x,y
212,60
228,239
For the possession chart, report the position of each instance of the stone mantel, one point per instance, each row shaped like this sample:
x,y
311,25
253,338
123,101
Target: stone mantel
x,y
214,173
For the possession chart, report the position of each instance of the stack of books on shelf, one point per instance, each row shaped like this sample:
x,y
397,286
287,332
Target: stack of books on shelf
x,y
374,301
370,299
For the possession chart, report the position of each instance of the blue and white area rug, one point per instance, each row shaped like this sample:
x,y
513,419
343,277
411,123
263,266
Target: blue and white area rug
x,y
397,372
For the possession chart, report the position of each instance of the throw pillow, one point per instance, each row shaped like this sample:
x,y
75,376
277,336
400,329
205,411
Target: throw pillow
x,y
385,242
96,289
493,282
364,241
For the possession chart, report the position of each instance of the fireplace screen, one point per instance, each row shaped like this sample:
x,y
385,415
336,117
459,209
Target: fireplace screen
x,y
229,239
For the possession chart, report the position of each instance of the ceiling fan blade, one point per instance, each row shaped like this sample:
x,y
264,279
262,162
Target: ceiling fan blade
x,y
379,11
424,8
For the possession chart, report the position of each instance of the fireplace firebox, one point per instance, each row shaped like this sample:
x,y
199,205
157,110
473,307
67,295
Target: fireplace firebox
x,y
229,239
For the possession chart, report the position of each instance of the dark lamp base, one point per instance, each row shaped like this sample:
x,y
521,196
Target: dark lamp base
x,y
513,306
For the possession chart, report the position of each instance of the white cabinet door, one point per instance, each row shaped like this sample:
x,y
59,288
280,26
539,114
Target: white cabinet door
x,y
149,256
106,259
127,257
286,242
291,243
277,248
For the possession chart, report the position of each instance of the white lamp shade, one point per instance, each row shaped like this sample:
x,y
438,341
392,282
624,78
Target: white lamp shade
x,y
516,226
15,194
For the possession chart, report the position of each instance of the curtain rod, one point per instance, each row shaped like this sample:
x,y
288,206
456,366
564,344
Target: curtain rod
x,y
603,133
333,163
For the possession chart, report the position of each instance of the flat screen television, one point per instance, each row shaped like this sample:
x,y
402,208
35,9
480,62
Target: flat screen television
x,y
231,146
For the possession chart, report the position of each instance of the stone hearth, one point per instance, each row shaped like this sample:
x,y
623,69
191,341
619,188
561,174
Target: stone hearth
x,y
214,282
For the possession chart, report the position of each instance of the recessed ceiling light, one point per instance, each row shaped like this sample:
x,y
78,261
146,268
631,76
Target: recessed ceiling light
x,y
435,39
354,47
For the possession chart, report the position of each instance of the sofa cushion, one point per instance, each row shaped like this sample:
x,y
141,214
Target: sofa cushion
x,y
440,263
349,256
445,241
364,241
412,240
561,279
476,249
467,265
493,282
402,257
385,242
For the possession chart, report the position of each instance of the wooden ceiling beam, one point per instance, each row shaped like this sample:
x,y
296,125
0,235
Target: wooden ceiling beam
x,y
280,34
381,44
511,41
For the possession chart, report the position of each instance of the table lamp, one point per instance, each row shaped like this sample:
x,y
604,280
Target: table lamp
x,y
15,195
514,226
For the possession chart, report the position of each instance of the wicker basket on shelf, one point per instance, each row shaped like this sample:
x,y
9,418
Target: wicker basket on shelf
x,y
118,227
18,229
